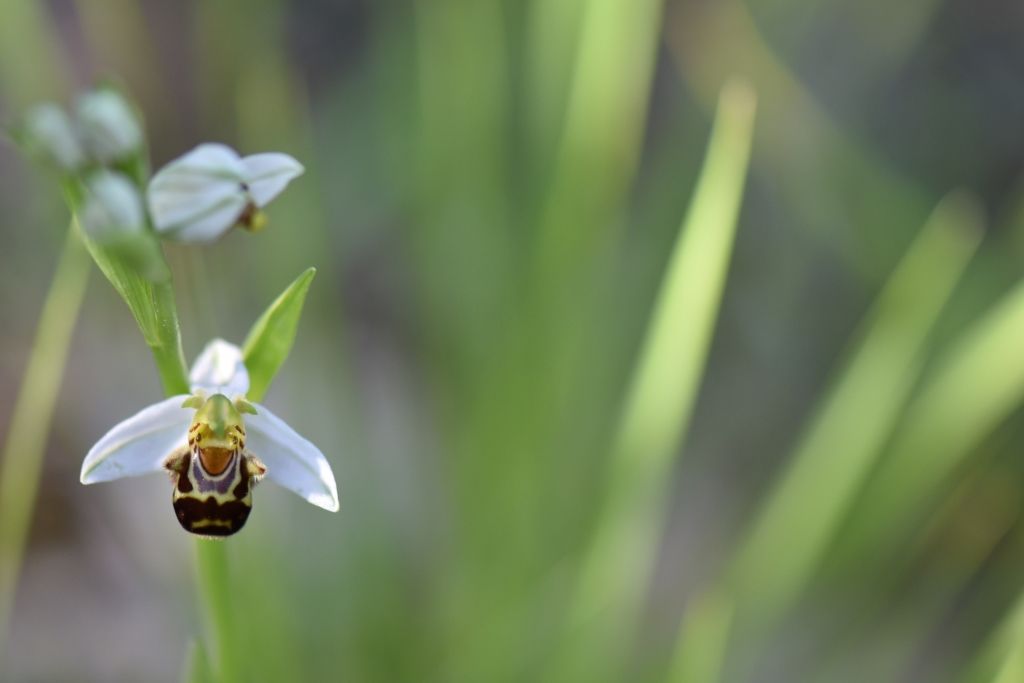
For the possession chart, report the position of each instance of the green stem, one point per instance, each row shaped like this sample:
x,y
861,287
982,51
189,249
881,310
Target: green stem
x,y
33,411
214,594
212,571
211,556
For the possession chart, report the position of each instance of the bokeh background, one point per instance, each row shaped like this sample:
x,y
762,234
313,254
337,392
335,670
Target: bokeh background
x,y
469,432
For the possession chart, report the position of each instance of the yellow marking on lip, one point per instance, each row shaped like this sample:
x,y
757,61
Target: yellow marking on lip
x,y
203,523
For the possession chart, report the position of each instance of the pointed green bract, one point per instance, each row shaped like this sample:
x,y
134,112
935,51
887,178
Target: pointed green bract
x,y
270,339
152,305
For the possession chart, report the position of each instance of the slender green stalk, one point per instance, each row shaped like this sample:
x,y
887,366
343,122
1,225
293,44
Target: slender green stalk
x,y
212,571
214,593
211,555
33,411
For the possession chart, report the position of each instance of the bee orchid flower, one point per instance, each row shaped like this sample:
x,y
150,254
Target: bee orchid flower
x,y
216,446
200,196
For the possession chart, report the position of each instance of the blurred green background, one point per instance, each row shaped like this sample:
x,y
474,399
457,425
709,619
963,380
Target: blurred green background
x,y
493,192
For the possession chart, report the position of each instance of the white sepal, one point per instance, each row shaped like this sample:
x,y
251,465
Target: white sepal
x,y
268,174
140,444
292,461
220,369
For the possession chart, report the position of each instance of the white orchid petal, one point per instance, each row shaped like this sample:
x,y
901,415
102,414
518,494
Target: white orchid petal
x,y
268,174
292,461
220,369
179,197
209,225
140,444
212,159
199,196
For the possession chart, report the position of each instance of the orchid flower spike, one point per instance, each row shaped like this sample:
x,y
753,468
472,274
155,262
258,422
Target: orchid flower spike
x,y
200,196
214,455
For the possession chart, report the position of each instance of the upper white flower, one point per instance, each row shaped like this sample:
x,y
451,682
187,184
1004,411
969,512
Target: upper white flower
x,y
142,443
203,194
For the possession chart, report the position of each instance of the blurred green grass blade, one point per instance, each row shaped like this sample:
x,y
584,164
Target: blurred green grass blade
x,y
703,639
30,420
1002,652
271,337
29,68
1012,670
800,516
664,388
606,110
833,183
977,384
957,548
552,37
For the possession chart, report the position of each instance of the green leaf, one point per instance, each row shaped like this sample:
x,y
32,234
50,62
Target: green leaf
x,y
271,337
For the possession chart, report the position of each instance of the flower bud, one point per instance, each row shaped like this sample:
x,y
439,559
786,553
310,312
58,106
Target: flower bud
x,y
47,132
112,207
108,125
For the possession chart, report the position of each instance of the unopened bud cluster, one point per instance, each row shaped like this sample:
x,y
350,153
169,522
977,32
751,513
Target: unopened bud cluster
x,y
196,198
